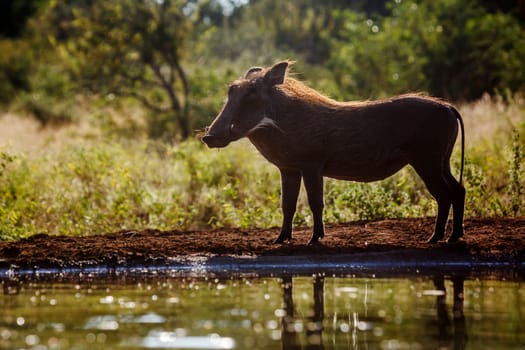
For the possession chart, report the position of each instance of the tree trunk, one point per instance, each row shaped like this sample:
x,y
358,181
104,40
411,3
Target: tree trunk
x,y
184,120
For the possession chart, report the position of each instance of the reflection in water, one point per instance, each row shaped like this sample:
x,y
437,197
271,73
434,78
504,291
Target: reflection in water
x,y
442,328
455,331
314,326
314,312
172,340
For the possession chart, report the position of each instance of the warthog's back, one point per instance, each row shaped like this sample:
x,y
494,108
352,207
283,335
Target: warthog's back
x,y
374,141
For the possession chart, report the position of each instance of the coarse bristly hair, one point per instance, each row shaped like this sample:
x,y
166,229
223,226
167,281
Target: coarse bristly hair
x,y
295,88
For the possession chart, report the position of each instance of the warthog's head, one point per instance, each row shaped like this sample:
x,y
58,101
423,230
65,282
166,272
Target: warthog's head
x,y
246,108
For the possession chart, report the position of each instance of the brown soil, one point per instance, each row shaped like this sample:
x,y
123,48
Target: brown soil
x,y
492,239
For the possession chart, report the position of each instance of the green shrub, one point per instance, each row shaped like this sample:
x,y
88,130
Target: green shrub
x,y
449,48
517,180
15,64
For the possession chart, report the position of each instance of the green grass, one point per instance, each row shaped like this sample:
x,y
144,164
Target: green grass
x,y
101,185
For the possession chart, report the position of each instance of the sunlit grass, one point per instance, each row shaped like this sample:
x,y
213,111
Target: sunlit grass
x,y
79,185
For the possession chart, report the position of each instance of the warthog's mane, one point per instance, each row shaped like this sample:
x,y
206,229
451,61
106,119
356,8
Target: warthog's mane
x,y
297,89
293,89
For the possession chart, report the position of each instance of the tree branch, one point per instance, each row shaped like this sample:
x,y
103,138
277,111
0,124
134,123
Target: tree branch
x,y
169,88
143,99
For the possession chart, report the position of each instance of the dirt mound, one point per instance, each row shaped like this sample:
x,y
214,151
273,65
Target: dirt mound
x,y
497,239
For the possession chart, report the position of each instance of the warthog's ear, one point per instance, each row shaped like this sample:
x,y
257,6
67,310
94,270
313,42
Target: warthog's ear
x,y
251,71
276,73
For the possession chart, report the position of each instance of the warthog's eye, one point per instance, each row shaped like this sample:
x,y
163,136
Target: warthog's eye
x,y
232,88
231,127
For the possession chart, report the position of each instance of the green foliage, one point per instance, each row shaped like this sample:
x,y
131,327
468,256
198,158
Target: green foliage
x,y
479,52
106,187
132,49
449,48
46,109
494,177
14,184
516,174
224,188
177,57
402,195
15,64
208,86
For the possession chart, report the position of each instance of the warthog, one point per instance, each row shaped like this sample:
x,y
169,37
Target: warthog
x,y
309,136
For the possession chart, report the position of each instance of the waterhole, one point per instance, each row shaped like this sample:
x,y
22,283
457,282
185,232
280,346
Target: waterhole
x,y
434,311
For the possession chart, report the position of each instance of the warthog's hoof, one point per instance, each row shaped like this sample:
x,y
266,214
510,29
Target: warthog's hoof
x,y
454,238
314,240
283,238
433,240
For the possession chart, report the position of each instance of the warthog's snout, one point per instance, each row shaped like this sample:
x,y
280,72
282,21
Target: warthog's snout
x,y
214,141
209,140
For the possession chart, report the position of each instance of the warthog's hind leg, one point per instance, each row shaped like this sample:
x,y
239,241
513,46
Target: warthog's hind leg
x,y
439,188
441,221
458,207
448,192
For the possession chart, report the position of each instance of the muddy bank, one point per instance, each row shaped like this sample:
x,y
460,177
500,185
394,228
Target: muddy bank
x,y
382,243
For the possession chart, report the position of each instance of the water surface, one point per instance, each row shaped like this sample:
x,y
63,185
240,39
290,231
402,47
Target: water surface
x,y
303,312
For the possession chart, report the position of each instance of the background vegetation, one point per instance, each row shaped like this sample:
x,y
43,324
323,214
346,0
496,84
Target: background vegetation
x,y
120,88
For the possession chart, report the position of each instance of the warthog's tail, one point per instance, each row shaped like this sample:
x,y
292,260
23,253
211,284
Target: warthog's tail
x,y
462,127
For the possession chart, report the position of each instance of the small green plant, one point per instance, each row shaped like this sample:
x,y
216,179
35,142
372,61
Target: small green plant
x,y
14,184
515,187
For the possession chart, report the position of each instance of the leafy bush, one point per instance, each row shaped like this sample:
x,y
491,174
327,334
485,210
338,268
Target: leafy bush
x,y
15,64
516,174
450,48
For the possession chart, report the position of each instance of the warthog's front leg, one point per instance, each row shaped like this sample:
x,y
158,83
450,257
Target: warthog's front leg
x,y
313,182
290,185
